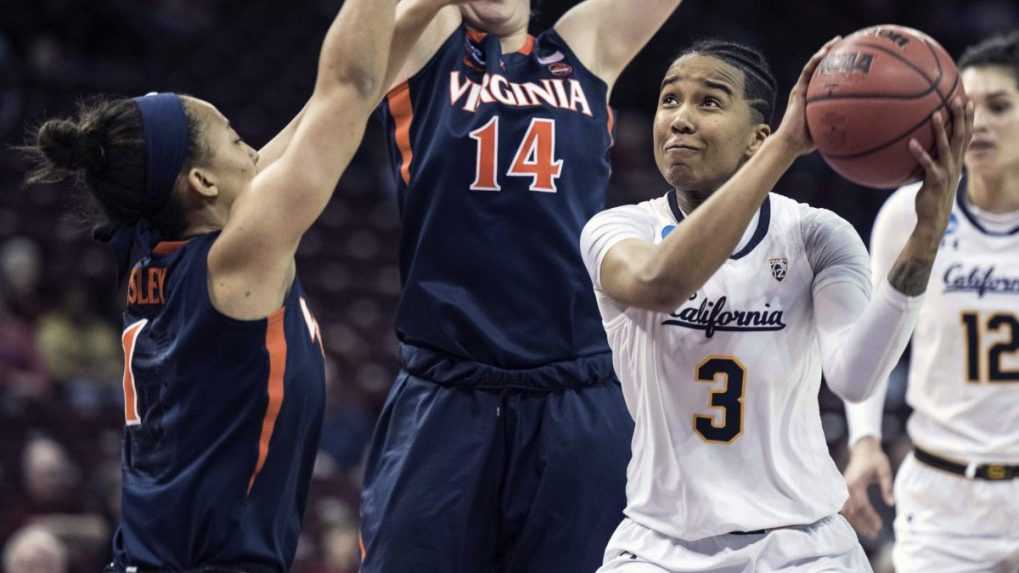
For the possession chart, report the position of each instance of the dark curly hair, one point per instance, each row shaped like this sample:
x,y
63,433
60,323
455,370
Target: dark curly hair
x,y
101,150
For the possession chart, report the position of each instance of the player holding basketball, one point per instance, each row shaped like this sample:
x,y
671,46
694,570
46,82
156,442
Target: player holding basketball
x,y
224,376
723,303
504,441
957,493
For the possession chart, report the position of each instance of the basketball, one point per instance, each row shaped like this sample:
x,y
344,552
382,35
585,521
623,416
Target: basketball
x,y
874,91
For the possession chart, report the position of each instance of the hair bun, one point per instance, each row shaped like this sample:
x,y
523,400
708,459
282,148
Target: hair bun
x,y
69,147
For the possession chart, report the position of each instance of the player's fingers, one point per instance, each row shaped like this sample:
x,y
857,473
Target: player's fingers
x,y
855,514
884,479
814,61
933,172
959,131
869,519
941,139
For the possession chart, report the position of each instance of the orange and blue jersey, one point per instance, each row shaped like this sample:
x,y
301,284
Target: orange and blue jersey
x,y
223,418
500,160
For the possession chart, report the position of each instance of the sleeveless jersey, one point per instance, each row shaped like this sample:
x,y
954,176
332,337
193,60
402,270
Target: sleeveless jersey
x,y
222,420
498,169
964,365
724,390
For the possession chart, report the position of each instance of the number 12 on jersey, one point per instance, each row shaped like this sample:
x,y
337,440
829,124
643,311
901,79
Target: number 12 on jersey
x,y
986,364
535,157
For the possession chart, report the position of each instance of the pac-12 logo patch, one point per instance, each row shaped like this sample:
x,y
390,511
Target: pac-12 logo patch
x,y
779,266
560,69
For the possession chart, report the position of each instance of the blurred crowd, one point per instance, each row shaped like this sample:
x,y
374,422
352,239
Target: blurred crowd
x,y
60,351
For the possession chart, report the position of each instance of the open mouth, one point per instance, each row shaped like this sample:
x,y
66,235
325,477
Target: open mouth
x,y
980,146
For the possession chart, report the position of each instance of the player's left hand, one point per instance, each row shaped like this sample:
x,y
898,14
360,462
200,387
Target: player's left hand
x,y
867,465
941,175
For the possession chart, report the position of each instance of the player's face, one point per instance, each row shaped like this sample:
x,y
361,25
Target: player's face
x,y
230,161
995,145
704,128
500,17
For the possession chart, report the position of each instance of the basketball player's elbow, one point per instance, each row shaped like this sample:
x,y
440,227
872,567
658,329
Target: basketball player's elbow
x,y
367,85
658,291
363,78
852,391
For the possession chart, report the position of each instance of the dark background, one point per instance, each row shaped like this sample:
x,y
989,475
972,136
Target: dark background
x,y
60,359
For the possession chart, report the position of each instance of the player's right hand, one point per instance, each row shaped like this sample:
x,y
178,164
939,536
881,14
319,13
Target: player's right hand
x,y
867,464
793,129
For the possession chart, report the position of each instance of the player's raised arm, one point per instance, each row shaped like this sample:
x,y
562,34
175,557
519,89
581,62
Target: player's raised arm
x,y
868,464
607,34
421,26
256,248
660,277
861,342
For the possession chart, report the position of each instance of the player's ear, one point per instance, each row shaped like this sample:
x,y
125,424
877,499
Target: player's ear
x,y
758,134
203,182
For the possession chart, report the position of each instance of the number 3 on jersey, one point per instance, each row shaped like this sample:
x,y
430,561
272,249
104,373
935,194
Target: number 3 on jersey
x,y
535,157
731,373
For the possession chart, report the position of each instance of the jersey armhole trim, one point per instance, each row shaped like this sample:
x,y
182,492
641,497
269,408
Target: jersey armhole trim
x,y
431,61
573,56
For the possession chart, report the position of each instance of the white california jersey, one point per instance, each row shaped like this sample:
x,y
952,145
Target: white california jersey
x,y
964,368
724,390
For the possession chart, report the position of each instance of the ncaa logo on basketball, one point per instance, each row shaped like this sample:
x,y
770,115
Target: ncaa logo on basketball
x,y
561,69
779,266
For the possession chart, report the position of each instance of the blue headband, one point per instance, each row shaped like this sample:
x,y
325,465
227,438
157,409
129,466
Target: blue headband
x,y
165,125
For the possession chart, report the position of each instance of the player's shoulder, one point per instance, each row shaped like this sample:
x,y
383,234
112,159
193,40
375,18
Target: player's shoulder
x,y
809,217
643,220
819,227
644,212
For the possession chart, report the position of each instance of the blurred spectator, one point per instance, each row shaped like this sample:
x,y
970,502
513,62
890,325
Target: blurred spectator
x,y
20,267
49,475
340,548
34,549
53,498
348,422
22,371
80,348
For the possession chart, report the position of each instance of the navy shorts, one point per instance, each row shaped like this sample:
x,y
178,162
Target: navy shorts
x,y
465,478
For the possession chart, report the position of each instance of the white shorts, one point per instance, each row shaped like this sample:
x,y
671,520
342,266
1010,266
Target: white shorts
x,y
949,524
830,545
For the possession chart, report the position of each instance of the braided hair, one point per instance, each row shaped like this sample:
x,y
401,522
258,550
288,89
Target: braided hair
x,y
759,82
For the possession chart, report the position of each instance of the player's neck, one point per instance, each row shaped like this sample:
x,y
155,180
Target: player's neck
x,y
205,221
689,200
994,193
514,41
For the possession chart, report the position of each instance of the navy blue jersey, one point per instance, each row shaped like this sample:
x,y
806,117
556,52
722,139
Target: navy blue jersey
x,y
499,163
223,420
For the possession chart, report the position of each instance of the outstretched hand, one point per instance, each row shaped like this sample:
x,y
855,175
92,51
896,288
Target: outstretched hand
x,y
793,129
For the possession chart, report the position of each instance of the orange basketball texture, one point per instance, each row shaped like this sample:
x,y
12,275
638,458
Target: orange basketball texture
x,y
874,91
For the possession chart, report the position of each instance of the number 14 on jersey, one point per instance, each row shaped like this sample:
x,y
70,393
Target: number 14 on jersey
x,y
535,157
